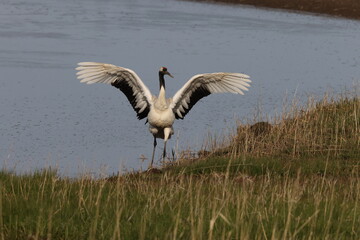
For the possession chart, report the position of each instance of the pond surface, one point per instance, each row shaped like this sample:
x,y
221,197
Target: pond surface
x,y
48,118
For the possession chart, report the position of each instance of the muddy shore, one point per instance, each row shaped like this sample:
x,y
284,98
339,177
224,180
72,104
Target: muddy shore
x,y
340,8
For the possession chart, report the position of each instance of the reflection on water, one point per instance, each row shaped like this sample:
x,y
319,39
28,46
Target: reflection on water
x,y
49,119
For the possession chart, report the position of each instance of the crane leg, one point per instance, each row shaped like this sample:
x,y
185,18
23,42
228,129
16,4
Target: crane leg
x,y
167,134
152,158
164,152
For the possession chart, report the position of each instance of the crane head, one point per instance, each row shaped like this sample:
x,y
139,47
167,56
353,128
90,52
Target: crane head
x,y
164,71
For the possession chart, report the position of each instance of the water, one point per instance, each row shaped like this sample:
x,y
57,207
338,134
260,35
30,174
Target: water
x,y
49,119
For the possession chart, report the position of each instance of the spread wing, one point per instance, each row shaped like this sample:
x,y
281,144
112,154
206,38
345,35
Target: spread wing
x,y
202,85
124,79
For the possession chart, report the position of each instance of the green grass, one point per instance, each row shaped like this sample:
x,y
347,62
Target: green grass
x,y
298,179
260,166
263,200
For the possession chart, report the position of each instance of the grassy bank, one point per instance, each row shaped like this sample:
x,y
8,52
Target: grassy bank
x,y
327,128
260,201
344,8
298,178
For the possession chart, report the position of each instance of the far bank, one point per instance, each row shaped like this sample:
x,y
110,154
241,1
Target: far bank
x,y
345,8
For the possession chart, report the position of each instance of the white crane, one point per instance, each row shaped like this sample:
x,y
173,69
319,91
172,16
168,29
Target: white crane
x,y
161,112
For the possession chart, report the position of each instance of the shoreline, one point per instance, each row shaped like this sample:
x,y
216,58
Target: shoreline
x,y
349,9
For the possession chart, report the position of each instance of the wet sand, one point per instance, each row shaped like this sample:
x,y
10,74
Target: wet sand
x,y
343,8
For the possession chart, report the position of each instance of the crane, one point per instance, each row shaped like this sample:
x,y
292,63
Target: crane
x,y
160,111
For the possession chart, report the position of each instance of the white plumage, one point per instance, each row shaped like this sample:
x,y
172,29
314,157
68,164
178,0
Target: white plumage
x,y
159,111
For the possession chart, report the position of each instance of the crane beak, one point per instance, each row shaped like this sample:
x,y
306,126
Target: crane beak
x,y
167,73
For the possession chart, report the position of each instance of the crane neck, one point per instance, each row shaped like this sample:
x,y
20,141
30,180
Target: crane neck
x,y
161,80
162,97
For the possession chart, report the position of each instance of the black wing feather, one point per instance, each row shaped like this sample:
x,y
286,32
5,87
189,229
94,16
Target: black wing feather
x,y
198,94
123,86
126,80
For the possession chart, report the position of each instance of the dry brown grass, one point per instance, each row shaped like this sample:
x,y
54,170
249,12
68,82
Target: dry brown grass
x,y
330,127
327,127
